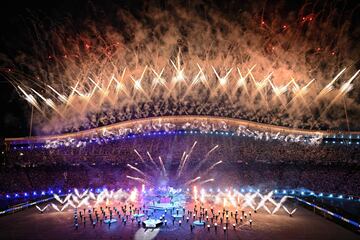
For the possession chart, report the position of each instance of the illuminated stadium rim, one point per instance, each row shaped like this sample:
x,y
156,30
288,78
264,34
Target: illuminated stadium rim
x,y
327,135
301,192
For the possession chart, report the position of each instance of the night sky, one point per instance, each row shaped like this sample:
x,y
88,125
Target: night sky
x,y
15,112
15,29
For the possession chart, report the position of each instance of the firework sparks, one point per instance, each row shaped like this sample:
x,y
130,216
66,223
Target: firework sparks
x,y
136,169
162,166
152,160
137,179
140,157
206,181
193,180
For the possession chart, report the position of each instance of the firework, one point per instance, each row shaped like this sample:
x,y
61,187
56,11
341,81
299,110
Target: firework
x,y
183,175
250,71
136,169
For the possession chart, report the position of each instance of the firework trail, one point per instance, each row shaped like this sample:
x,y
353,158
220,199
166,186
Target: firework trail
x,y
152,160
137,153
206,158
184,159
212,167
137,179
217,163
346,87
162,166
188,155
206,181
329,86
181,163
211,150
136,169
192,180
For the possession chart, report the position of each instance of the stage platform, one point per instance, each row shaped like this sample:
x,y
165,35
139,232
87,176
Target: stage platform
x,y
30,224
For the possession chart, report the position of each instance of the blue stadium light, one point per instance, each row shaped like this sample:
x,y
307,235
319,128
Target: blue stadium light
x,y
59,191
321,194
25,194
7,196
292,192
51,191
34,193
16,195
276,191
242,190
258,190
218,190
340,196
331,195
210,190
43,193
302,193
69,190
284,191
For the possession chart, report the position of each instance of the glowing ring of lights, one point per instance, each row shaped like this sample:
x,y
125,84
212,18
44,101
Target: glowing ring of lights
x,y
178,120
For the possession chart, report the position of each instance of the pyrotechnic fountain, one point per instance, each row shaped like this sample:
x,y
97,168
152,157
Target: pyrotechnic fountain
x,y
181,173
253,68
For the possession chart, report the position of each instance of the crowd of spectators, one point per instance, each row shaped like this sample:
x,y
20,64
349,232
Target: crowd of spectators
x,y
336,179
245,162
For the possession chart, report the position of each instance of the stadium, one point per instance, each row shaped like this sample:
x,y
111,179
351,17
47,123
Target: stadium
x,y
123,143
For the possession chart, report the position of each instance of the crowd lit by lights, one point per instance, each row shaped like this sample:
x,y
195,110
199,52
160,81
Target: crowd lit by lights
x,y
167,128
